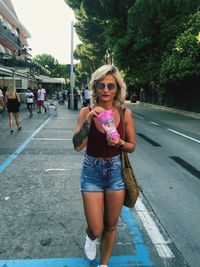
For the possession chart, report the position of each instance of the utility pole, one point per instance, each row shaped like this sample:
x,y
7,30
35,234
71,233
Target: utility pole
x,y
72,68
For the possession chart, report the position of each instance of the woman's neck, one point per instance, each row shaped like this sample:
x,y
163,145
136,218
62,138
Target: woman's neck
x,y
107,105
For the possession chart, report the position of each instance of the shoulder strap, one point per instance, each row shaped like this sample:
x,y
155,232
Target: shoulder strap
x,y
121,113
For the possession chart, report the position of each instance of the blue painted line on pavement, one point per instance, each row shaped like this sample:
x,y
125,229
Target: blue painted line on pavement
x,y
6,162
141,258
136,236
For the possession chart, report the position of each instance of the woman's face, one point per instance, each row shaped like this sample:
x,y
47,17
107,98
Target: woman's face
x,y
106,89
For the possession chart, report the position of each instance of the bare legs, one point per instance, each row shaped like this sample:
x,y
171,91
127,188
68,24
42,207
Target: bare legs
x,y
16,116
113,205
102,210
43,106
93,206
10,120
30,106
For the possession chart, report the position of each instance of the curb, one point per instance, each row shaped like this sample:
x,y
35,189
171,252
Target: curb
x,y
175,110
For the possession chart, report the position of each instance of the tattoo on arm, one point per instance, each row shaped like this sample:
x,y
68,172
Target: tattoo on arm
x,y
81,135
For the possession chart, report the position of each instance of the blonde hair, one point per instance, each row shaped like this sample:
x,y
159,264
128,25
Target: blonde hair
x,y
11,91
100,74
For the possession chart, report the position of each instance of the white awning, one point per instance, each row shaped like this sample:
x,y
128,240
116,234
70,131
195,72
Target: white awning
x,y
8,51
46,79
11,72
5,71
14,31
1,19
7,24
2,49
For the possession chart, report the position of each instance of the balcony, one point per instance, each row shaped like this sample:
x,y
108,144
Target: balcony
x,y
8,36
16,62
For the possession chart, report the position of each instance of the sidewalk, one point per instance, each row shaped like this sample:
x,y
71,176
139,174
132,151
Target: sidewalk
x,y
41,201
42,216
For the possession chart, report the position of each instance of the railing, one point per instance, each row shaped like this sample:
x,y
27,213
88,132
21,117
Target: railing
x,y
15,61
9,37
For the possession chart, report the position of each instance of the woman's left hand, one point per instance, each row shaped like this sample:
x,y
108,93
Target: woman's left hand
x,y
112,142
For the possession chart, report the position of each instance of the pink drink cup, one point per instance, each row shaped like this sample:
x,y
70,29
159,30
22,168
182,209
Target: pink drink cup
x,y
107,120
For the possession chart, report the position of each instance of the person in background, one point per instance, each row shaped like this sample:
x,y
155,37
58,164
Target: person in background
x,y
79,94
101,183
30,101
60,98
86,97
134,97
13,104
64,95
41,95
2,102
35,97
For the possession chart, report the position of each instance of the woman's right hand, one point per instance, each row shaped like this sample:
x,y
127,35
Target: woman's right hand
x,y
93,113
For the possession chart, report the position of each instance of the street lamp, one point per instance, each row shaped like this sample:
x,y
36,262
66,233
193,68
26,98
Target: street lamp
x,y
71,68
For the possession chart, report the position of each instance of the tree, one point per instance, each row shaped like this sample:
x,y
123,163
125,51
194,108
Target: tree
x,y
52,66
184,59
49,63
141,37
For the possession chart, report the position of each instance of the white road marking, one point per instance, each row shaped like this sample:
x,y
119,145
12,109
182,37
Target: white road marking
x,y
160,243
52,139
134,115
155,123
186,136
6,198
49,170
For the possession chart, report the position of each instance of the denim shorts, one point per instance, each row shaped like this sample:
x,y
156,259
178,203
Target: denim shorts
x,y
98,175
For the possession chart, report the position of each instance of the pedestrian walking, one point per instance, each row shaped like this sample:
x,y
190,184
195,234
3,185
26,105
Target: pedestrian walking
x,y
60,98
2,102
79,94
13,104
64,95
86,97
41,95
101,182
30,101
35,97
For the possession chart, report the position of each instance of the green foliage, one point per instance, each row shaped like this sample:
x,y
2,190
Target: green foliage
x,y
90,30
51,65
153,42
184,59
74,4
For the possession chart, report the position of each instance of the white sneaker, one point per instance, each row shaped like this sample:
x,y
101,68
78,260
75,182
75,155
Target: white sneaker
x,y
90,247
102,266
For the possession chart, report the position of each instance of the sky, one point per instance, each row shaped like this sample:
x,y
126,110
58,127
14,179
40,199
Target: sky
x,y
49,23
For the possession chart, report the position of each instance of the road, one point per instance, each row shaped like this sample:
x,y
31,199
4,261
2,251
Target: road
x,y
42,221
169,175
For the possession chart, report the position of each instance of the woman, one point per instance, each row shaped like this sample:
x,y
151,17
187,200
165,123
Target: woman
x,y
13,103
2,103
102,184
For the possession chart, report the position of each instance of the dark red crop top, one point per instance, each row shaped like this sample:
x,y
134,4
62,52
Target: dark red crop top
x,y
97,145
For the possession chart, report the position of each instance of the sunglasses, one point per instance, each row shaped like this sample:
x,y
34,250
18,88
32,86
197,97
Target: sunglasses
x,y
110,86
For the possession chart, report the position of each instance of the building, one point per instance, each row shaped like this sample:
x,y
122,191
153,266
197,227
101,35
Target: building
x,y
16,66
13,38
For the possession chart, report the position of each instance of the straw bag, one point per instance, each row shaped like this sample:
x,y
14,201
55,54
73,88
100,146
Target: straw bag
x,y
132,189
